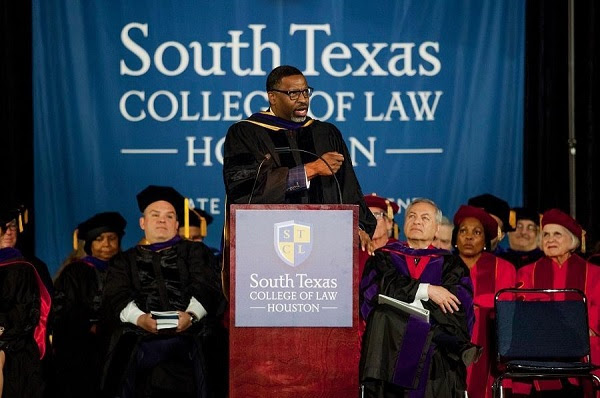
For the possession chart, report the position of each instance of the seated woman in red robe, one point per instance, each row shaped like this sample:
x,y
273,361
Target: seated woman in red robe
x,y
474,229
562,268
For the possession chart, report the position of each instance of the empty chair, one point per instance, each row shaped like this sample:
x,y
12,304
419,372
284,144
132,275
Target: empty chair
x,y
542,334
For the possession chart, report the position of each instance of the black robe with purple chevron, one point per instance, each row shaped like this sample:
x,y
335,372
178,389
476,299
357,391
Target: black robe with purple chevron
x,y
403,356
255,171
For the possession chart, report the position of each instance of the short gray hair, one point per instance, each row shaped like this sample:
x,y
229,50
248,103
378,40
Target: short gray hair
x,y
445,221
438,212
574,239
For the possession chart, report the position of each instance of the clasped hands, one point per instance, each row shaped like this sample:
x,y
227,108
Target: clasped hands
x,y
149,324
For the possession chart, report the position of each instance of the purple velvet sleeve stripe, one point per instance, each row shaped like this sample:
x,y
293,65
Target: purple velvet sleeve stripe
x,y
409,362
9,253
370,300
466,300
296,179
419,392
162,245
368,280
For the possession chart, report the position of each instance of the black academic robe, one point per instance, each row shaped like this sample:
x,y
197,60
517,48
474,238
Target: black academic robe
x,y
401,355
79,341
519,258
165,280
253,143
21,308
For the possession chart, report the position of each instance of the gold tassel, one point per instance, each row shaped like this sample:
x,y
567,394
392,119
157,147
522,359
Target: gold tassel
x,y
26,216
583,241
395,231
512,219
20,223
75,239
203,228
203,224
186,218
390,212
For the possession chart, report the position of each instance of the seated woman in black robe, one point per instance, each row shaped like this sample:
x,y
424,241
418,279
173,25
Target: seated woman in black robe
x,y
78,337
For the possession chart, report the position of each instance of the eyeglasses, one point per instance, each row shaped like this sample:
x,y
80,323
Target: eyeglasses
x,y
528,227
11,225
379,214
295,94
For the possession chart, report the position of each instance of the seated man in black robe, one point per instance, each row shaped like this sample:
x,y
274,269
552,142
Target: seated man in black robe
x,y
24,308
404,355
524,241
165,273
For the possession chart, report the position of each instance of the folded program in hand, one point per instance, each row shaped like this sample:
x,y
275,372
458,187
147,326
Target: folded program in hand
x,y
165,319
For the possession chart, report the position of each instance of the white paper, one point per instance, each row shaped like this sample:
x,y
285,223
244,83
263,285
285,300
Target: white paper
x,y
410,309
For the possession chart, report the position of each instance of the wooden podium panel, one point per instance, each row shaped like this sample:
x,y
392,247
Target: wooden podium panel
x,y
291,361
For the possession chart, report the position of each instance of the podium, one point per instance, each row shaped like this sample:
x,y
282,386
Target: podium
x,y
293,301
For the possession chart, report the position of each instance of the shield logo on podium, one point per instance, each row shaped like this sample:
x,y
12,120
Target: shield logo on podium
x,y
293,242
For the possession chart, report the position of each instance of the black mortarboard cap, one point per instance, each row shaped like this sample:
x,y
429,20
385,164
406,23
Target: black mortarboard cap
x,y
7,214
93,227
525,213
10,211
154,193
496,206
195,215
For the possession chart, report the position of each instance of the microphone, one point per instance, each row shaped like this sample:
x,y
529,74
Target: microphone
x,y
287,149
267,157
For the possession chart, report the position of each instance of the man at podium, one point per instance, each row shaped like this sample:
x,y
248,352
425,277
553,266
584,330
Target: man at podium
x,y
281,155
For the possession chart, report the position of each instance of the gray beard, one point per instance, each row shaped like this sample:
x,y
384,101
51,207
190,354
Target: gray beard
x,y
298,119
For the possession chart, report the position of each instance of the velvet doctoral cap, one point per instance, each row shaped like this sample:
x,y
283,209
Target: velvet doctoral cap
x,y
556,216
384,204
98,224
496,206
7,214
490,226
195,219
525,213
154,193
10,212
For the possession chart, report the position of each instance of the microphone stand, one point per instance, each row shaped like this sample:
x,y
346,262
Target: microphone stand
x,y
337,183
267,157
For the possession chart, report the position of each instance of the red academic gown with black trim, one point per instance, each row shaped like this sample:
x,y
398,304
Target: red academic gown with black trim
x,y
489,274
574,273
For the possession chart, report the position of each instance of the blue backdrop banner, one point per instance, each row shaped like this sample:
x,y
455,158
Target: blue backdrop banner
x,y
428,95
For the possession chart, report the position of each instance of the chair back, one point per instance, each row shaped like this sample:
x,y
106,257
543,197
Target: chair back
x,y
542,325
